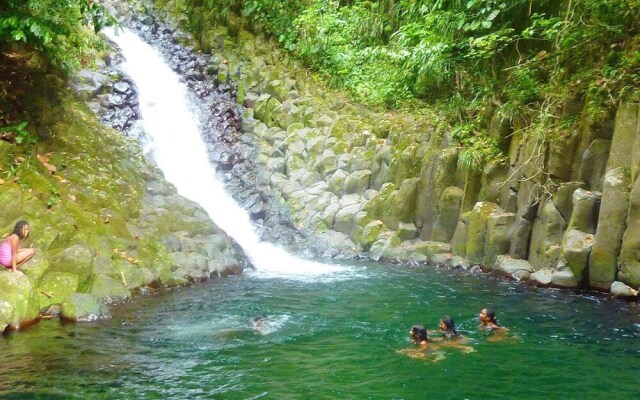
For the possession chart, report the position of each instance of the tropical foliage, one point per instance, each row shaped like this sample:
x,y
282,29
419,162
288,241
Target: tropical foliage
x,y
475,58
53,27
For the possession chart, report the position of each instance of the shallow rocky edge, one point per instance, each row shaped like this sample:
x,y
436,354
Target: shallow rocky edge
x,y
363,188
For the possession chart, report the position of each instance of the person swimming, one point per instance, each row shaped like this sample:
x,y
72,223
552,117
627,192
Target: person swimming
x,y
448,327
419,334
258,323
489,322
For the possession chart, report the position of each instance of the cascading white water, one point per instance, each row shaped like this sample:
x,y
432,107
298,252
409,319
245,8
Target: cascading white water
x,y
176,144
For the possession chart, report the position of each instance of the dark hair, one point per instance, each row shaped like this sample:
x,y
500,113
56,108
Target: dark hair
x,y
492,315
450,324
19,227
420,333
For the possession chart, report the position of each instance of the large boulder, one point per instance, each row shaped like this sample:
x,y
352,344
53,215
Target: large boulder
x,y
437,172
630,251
448,210
477,230
57,286
16,290
603,264
6,314
576,247
546,236
517,269
498,239
82,307
619,289
586,206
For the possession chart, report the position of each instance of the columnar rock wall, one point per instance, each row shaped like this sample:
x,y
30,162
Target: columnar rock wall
x,y
562,212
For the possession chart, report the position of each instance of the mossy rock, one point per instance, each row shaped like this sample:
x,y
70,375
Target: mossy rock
x,y
17,290
82,307
58,285
36,267
11,204
603,264
107,289
76,259
477,230
6,314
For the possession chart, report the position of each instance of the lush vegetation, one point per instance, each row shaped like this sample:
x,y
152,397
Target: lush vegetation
x,y
54,27
521,59
41,34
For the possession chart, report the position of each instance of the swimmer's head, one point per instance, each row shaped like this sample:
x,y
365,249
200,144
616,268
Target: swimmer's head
x,y
259,320
447,324
488,315
418,334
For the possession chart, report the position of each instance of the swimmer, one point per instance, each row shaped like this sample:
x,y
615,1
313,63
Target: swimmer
x,y
419,334
451,337
489,322
259,322
448,327
426,349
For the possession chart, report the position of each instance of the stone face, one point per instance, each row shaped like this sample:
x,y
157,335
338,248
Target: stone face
x,y
82,307
630,250
404,203
108,289
17,290
477,230
603,264
619,289
518,269
436,174
448,212
563,198
493,177
576,247
459,240
546,236
59,285
586,206
594,162
407,231
498,238
357,182
519,247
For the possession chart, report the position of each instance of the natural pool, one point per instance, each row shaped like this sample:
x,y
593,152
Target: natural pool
x,y
332,338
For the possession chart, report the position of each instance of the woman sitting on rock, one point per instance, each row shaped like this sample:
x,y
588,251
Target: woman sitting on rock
x,y
11,256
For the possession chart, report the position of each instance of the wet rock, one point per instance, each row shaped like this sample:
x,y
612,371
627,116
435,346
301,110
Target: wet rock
x,y
477,230
83,307
576,248
603,263
619,289
24,304
518,269
498,237
448,212
57,285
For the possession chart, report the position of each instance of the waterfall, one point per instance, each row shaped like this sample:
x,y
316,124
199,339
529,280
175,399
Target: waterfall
x,y
175,144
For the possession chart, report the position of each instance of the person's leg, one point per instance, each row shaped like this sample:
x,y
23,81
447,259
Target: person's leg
x,y
24,255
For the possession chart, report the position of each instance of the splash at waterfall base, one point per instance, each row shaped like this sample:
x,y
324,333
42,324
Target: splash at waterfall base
x,y
387,186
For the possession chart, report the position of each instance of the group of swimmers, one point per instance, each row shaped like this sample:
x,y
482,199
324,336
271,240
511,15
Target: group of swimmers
x,y
448,336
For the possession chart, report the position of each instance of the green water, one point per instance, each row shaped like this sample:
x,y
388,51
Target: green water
x,y
333,340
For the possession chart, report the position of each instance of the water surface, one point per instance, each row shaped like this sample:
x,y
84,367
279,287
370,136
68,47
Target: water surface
x,y
332,340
